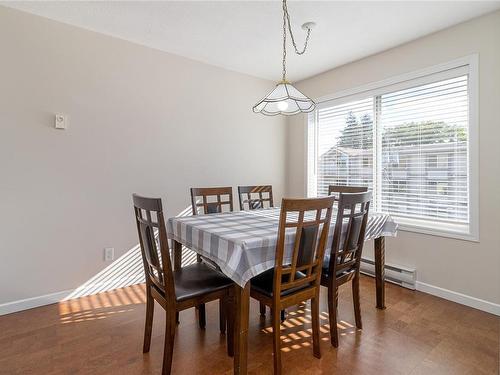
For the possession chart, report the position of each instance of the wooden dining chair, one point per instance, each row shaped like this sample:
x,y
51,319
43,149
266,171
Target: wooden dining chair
x,y
213,200
335,190
174,290
205,201
296,275
342,263
255,197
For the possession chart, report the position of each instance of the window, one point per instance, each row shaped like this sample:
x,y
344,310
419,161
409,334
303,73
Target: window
x,y
431,161
409,142
442,160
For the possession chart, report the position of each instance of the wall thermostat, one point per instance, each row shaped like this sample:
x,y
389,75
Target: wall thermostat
x,y
61,121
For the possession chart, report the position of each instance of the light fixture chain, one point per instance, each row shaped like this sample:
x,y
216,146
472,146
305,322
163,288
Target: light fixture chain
x,y
285,9
286,22
284,40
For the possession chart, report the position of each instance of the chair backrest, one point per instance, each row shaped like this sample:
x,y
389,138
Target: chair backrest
x,y
349,234
213,200
255,197
309,219
335,190
154,244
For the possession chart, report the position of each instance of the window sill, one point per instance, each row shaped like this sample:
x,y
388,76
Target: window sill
x,y
455,231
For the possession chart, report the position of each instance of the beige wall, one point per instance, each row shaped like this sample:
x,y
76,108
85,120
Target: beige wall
x,y
140,120
460,266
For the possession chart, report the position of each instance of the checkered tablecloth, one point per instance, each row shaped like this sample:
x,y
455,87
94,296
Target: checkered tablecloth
x,y
243,243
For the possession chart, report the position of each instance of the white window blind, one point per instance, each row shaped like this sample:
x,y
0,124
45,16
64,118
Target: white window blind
x,y
408,142
424,151
345,145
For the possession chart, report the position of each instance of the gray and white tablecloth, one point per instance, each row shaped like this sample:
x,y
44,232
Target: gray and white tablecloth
x,y
243,243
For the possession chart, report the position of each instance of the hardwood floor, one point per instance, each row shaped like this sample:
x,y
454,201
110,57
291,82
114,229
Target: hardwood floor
x,y
102,334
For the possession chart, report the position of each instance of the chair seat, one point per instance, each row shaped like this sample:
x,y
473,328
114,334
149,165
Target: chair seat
x,y
198,279
325,273
263,283
326,265
326,260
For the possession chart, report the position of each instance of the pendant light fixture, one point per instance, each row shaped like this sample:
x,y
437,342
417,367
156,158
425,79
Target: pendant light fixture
x,y
285,99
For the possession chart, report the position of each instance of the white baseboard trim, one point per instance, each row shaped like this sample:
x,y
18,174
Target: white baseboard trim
x,y
463,299
29,303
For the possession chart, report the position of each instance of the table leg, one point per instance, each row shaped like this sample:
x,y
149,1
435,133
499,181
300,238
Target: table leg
x,y
241,329
380,271
177,252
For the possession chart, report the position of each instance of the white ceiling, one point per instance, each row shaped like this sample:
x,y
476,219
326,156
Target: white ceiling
x,y
245,36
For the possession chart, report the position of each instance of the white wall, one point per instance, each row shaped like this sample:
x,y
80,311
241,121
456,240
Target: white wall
x,y
464,267
140,120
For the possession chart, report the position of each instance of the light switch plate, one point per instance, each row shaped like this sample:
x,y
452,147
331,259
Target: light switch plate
x,y
61,121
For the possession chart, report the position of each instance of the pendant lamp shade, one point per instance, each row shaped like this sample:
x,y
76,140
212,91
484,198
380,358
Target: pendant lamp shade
x,y
284,99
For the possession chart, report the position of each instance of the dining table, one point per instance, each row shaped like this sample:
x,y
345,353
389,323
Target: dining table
x,y
243,245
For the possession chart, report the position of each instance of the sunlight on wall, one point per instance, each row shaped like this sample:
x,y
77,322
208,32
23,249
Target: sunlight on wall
x,y
126,270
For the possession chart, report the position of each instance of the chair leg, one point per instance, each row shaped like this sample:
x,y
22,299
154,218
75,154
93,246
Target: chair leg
x,y
262,308
168,350
150,306
202,320
315,326
177,317
332,313
356,300
222,314
283,315
231,308
276,341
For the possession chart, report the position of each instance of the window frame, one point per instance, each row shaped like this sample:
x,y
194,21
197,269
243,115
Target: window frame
x,y
466,65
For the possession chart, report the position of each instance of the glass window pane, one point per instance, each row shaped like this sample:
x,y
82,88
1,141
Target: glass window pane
x,y
426,126
345,145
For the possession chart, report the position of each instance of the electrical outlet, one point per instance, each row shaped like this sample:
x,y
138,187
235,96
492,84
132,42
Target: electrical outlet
x,y
109,254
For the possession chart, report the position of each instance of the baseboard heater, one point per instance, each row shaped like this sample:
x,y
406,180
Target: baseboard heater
x,y
403,276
